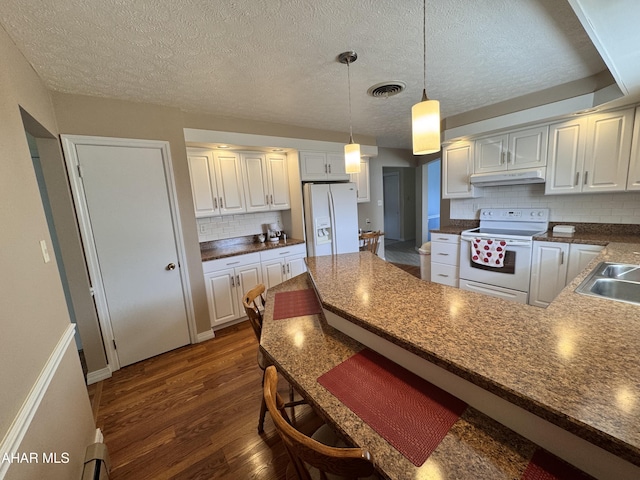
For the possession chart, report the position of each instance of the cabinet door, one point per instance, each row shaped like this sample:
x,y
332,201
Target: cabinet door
x,y
548,272
247,277
579,258
490,154
336,167
633,178
295,265
229,182
221,296
362,181
256,185
566,156
313,166
203,187
528,148
278,178
608,151
457,166
273,272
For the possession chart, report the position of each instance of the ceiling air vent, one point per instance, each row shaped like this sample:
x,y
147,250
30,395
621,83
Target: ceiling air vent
x,y
386,89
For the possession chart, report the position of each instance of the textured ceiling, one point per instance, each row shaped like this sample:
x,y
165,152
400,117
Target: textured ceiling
x,y
275,60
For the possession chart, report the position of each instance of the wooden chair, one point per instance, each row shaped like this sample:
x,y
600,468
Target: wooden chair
x,y
253,301
304,451
370,241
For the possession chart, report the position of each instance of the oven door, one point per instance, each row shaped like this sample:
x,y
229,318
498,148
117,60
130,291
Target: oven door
x,y
513,275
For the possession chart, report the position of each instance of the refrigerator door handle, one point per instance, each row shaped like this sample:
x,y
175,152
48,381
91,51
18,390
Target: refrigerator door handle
x,y
332,214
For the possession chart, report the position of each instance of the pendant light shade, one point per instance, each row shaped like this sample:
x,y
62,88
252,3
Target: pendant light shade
x,y
425,116
351,149
352,157
425,121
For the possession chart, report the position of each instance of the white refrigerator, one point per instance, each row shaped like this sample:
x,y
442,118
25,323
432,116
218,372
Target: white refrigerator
x,y
331,218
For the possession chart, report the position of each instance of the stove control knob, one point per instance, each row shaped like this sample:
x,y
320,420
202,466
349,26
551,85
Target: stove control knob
x,y
533,214
540,214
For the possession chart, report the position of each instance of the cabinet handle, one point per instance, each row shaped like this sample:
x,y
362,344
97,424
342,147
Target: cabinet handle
x,y
508,157
238,280
215,203
232,281
444,254
561,258
585,177
443,239
326,170
442,275
577,178
267,199
502,158
283,270
221,204
271,199
329,168
288,268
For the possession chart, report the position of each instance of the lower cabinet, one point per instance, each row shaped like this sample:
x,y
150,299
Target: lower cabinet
x,y
226,281
282,264
445,259
554,265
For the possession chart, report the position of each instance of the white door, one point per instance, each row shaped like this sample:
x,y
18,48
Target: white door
x,y
391,193
135,242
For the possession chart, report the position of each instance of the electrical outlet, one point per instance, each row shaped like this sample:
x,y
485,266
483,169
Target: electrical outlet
x,y
203,228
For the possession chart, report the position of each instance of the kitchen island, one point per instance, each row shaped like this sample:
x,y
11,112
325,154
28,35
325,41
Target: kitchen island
x,y
567,377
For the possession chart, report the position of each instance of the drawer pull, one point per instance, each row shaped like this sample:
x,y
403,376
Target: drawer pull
x,y
233,263
442,275
444,254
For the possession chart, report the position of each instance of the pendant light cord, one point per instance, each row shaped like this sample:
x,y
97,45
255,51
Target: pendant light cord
x,y
424,50
349,83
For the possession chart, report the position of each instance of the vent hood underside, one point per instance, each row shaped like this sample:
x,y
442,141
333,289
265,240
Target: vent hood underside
x,y
513,177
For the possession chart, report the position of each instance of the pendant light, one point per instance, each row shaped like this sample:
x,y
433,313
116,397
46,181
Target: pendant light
x,y
351,150
425,116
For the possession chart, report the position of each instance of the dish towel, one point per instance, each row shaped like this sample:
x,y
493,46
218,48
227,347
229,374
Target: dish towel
x,y
487,251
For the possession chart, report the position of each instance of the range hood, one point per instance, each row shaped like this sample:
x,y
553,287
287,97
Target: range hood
x,y
511,177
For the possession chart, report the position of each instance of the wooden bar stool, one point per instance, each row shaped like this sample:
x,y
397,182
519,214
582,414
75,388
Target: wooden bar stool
x,y
370,241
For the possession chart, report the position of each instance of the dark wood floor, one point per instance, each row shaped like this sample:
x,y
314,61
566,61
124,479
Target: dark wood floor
x,y
192,414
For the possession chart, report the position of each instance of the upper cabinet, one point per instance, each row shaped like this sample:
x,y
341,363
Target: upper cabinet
x,y
512,151
590,154
216,182
633,179
322,166
362,181
457,167
266,181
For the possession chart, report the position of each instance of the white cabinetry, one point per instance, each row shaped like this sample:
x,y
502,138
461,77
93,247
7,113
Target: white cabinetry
x,y
216,182
445,259
319,166
548,272
554,265
266,181
633,179
579,257
457,167
512,151
283,263
226,280
590,154
362,181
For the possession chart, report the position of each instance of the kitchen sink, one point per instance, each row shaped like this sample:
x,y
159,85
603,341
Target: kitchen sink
x,y
614,281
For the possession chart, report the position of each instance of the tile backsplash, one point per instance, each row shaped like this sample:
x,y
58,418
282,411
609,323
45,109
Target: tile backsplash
x,y
230,226
623,207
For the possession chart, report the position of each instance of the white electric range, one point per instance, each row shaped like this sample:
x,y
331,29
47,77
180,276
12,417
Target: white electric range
x,y
513,229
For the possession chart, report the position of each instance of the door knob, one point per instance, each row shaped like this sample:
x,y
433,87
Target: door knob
x,y
171,266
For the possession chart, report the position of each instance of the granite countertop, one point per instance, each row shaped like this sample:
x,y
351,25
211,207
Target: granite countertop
x,y
230,247
475,447
575,363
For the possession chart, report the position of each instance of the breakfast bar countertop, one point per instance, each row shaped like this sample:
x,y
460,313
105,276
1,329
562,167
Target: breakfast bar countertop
x,y
575,363
216,249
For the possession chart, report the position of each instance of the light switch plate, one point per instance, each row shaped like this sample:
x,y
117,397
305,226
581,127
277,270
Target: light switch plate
x,y
45,251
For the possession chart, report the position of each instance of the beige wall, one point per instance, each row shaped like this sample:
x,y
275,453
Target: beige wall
x,y
34,314
82,115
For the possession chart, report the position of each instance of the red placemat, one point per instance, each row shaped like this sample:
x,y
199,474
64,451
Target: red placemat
x,y
544,466
295,304
407,411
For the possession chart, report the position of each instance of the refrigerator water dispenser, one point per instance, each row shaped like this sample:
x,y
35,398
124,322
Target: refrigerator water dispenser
x,y
323,230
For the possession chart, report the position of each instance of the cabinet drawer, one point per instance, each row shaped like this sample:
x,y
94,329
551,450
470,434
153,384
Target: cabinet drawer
x,y
230,262
445,274
445,237
448,253
283,252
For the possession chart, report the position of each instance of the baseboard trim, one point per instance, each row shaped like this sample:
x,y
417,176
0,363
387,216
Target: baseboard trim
x,y
206,335
98,375
20,425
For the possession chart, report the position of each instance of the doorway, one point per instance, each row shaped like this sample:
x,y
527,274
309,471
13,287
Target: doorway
x,y
129,223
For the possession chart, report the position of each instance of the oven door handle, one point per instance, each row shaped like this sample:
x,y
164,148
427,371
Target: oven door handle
x,y
512,243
